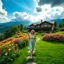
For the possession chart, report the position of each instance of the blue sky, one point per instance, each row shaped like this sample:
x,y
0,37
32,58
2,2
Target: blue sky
x,y
31,11
18,5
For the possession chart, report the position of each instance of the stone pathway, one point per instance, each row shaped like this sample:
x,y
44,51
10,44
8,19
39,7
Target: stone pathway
x,y
30,57
37,39
31,63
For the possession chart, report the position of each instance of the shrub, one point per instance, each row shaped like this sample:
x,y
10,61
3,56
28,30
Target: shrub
x,y
53,37
20,43
1,37
25,43
62,29
8,54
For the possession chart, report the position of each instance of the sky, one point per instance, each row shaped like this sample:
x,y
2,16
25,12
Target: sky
x,y
31,11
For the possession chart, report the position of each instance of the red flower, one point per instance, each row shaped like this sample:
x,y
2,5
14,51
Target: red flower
x,y
0,51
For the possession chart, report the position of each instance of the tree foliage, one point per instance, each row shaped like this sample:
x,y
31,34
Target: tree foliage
x,y
21,27
62,24
13,30
1,37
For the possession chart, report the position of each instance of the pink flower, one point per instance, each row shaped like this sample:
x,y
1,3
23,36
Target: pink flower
x,y
7,47
53,37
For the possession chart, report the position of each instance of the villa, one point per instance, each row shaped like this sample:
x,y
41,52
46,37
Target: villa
x,y
44,26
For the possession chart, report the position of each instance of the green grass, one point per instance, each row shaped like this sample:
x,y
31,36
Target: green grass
x,y
46,53
60,32
49,52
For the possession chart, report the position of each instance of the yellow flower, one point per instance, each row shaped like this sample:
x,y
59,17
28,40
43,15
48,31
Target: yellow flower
x,y
16,44
6,54
0,46
13,44
3,45
9,49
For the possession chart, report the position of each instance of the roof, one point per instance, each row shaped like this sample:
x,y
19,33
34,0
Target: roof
x,y
52,22
48,22
42,23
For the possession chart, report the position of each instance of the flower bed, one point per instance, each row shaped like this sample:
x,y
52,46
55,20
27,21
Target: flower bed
x,y
9,53
9,50
53,37
12,40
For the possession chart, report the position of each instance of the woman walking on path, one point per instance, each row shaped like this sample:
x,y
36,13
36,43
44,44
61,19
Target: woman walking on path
x,y
32,40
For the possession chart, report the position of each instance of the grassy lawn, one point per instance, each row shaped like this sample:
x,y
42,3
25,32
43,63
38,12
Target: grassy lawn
x,y
46,53
49,52
60,32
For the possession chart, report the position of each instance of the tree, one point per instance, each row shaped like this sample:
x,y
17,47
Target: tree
x,y
63,23
1,37
21,27
60,25
7,34
14,29
11,31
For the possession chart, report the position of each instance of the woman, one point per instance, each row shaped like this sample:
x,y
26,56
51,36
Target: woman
x,y
32,40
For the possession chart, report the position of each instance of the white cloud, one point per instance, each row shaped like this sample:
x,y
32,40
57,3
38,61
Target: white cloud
x,y
46,12
25,18
53,3
3,14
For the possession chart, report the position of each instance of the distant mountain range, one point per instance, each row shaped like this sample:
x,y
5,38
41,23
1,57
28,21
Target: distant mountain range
x,y
4,26
58,21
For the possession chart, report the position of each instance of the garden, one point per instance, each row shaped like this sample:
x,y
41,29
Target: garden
x,y
49,49
10,48
53,37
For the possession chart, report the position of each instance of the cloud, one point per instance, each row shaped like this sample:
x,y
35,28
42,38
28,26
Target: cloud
x,y
43,11
38,9
3,14
51,2
47,11
53,13
23,17
26,18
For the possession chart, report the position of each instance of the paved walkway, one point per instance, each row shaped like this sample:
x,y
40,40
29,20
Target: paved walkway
x,y
31,63
37,39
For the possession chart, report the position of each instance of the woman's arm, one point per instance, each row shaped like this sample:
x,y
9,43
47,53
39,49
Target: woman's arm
x,y
35,37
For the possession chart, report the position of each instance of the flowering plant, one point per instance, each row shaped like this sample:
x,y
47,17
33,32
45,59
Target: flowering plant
x,y
53,37
8,54
9,50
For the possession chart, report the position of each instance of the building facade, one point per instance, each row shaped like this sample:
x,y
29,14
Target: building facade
x,y
43,26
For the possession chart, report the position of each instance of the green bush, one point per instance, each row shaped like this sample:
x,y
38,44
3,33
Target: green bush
x,y
1,37
8,54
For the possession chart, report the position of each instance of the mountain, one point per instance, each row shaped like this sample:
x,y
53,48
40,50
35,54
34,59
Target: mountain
x,y
4,26
58,21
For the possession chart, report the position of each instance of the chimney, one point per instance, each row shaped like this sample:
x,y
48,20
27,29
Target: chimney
x,y
41,21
